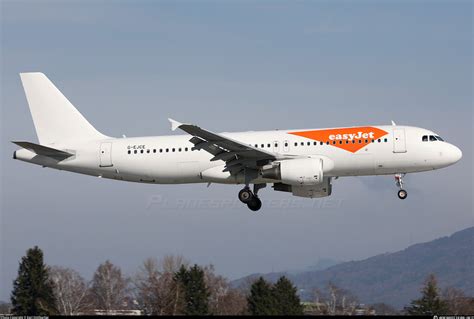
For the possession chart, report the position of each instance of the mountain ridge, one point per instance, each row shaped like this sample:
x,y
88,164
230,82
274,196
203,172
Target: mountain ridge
x,y
394,278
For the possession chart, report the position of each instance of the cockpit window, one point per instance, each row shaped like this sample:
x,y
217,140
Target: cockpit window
x,y
432,138
425,138
439,138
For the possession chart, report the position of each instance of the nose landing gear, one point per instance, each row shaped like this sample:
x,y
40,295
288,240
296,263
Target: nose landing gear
x,y
250,198
402,194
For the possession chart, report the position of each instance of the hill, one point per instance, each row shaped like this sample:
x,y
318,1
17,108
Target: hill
x,y
395,278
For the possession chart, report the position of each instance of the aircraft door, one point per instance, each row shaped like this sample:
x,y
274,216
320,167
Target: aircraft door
x,y
399,141
105,154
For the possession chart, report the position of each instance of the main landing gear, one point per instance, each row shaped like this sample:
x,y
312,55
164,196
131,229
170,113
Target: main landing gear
x,y
402,194
250,198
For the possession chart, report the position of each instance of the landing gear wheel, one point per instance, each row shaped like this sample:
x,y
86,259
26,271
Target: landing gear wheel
x,y
254,204
402,194
245,195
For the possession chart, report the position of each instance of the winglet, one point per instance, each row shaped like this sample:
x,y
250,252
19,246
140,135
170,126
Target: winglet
x,y
174,124
394,124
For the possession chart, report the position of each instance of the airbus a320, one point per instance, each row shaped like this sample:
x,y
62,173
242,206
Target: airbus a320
x,y
303,162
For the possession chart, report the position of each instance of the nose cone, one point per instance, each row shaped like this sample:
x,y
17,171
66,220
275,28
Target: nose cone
x,y
455,154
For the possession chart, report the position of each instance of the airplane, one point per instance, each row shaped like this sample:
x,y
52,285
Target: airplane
x,y
303,162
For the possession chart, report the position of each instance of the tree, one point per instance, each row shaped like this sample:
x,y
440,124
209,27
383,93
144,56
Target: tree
x,y
261,300
223,300
33,290
430,302
157,291
108,287
286,300
335,301
457,302
70,291
196,294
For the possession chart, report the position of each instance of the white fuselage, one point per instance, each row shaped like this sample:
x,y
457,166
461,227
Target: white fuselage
x,y
172,160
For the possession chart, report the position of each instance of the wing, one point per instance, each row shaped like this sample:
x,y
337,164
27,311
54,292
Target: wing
x,y
237,155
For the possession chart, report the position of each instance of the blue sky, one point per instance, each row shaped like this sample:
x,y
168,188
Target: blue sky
x,y
231,66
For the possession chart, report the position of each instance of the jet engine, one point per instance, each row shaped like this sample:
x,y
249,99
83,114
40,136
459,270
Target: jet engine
x,y
299,171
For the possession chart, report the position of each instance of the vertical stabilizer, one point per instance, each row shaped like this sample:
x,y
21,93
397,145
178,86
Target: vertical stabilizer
x,y
56,120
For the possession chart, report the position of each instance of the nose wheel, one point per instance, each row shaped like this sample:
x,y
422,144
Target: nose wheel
x,y
250,198
402,194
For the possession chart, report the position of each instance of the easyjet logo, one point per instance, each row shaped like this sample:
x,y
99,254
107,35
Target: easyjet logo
x,y
350,139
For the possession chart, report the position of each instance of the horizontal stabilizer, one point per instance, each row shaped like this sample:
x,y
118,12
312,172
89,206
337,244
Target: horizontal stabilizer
x,y
44,150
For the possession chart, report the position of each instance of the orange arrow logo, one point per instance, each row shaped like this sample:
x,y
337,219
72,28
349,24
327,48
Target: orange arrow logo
x,y
350,139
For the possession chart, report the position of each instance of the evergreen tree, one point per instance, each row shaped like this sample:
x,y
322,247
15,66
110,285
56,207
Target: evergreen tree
x,y
261,300
33,290
196,294
287,301
430,302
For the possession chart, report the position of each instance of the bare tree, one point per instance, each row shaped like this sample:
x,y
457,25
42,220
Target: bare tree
x,y
457,302
337,301
108,287
224,300
70,290
157,291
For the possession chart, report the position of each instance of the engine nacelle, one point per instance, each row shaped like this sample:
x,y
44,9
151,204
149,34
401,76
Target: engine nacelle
x,y
300,171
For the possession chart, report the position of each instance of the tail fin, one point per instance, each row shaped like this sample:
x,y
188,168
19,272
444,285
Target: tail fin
x,y
56,120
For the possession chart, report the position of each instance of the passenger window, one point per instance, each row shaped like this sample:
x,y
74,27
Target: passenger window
x,y
135,152
263,145
347,141
385,140
379,140
154,150
148,151
296,144
315,143
167,150
141,151
340,142
129,152
334,142
276,144
424,138
302,143
185,149
432,138
269,145
173,149
321,143
161,150
256,145
286,144
179,149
